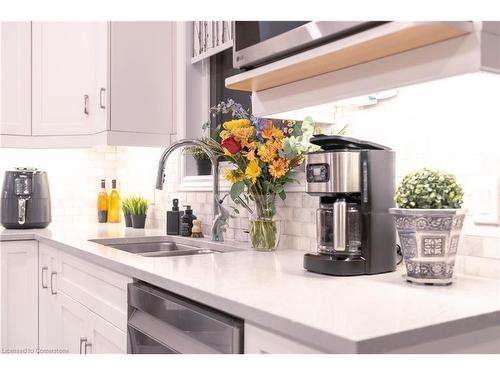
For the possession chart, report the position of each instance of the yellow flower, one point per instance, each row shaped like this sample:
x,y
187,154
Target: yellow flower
x,y
272,132
253,170
243,134
235,124
267,153
233,175
278,168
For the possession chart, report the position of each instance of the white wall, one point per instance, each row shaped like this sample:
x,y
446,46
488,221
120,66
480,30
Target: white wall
x,y
451,124
75,174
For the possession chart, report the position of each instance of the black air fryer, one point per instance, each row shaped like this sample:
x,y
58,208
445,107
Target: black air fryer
x,y
355,181
25,202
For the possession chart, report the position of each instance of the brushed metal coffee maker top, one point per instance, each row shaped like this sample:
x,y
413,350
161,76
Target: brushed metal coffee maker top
x,y
333,172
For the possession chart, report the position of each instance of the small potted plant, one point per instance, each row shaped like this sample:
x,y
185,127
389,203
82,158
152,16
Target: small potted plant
x,y
429,220
127,211
203,163
139,207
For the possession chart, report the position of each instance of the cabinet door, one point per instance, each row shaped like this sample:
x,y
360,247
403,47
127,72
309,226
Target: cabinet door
x,y
84,332
105,338
73,324
67,67
19,294
15,78
48,312
142,81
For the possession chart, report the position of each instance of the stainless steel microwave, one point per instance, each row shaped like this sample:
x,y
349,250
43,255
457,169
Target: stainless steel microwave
x,y
260,42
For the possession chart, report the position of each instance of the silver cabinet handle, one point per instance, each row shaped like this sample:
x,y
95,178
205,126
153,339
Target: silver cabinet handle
x,y
82,340
88,345
102,98
44,269
52,274
86,104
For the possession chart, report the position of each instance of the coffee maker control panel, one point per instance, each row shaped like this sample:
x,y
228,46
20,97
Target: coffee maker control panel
x,y
318,172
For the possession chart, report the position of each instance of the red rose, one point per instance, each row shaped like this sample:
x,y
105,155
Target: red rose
x,y
231,145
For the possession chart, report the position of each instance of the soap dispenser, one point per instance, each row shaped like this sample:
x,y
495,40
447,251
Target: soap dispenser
x,y
174,219
187,221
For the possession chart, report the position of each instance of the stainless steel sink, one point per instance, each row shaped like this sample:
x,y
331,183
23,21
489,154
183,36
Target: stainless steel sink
x,y
154,249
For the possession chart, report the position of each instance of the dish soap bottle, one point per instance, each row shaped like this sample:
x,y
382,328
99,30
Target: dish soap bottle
x,y
102,204
187,221
174,219
114,206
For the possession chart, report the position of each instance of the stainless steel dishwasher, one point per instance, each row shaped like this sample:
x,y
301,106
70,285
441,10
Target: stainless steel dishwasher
x,y
160,322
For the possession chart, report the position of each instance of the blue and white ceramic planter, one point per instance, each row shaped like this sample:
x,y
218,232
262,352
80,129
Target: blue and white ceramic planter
x,y
429,242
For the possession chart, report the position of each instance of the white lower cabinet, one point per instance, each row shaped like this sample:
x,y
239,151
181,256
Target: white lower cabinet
x,y
18,295
57,303
261,341
104,337
48,332
71,329
84,332
88,307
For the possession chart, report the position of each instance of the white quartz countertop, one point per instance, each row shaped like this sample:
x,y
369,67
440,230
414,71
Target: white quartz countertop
x,y
366,314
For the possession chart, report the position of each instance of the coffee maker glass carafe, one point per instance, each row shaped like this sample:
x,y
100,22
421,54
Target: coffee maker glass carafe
x,y
338,226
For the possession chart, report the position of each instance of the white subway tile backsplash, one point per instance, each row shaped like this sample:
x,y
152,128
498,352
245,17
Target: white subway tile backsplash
x,y
424,126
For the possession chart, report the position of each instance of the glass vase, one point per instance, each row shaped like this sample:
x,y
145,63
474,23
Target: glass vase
x,y
265,223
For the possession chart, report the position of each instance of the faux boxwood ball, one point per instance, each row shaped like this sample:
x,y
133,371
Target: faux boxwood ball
x,y
429,189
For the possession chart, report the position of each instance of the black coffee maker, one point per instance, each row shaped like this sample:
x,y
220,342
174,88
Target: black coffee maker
x,y
355,181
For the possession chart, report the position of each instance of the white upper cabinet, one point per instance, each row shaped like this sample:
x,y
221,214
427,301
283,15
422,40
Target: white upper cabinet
x,y
82,84
142,81
15,78
67,57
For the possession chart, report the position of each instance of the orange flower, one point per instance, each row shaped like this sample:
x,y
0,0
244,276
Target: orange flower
x,y
267,153
272,132
249,150
278,168
275,146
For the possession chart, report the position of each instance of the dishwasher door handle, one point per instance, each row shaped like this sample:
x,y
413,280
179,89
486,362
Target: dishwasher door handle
x,y
168,335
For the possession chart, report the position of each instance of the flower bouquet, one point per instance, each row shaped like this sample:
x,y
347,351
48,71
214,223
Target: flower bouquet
x,y
263,152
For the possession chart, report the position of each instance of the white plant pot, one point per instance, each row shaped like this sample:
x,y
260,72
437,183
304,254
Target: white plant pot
x,y
429,242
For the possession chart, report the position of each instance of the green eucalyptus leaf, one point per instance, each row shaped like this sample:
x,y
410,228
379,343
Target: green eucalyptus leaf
x,y
282,195
236,190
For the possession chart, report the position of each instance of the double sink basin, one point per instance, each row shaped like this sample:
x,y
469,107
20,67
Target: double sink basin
x,y
163,247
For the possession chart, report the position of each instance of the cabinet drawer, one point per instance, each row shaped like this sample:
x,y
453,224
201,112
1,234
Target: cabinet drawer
x,y
260,341
99,289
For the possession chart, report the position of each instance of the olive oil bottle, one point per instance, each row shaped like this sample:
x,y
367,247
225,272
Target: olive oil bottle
x,y
102,204
114,205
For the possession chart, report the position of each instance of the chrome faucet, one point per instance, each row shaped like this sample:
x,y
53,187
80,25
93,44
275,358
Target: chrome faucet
x,y
219,212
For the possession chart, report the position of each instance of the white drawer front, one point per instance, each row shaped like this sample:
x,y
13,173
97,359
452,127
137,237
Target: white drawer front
x,y
99,289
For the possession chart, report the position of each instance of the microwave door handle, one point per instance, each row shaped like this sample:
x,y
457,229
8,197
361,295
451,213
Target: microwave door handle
x,y
21,211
